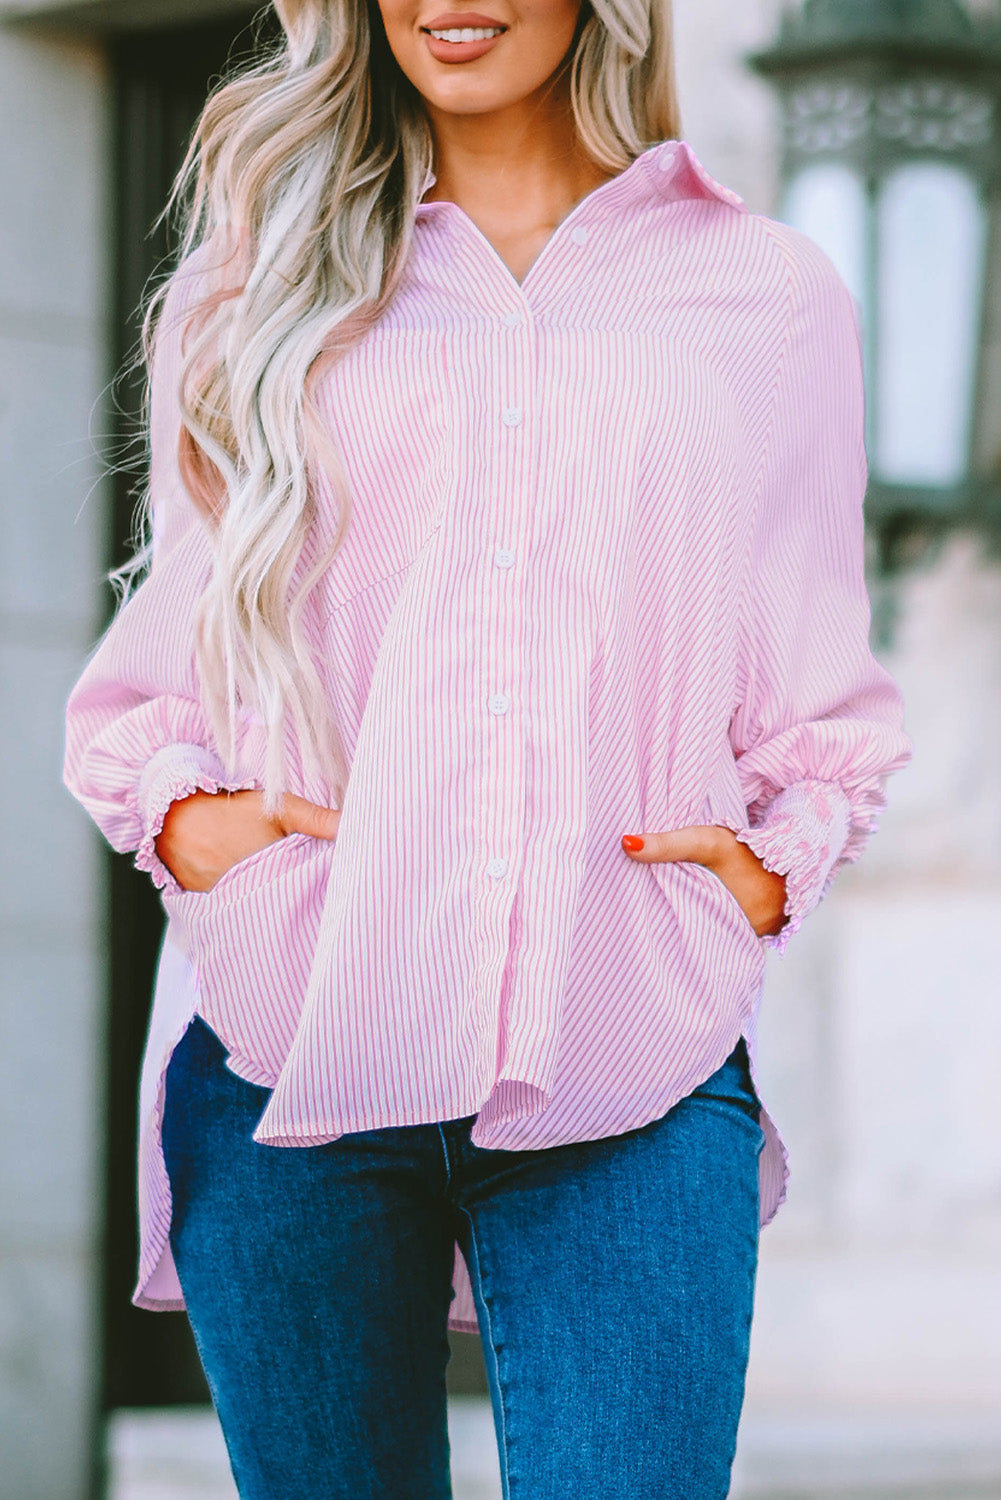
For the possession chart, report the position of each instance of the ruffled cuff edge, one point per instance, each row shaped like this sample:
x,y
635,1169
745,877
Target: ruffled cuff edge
x,y
173,773
803,836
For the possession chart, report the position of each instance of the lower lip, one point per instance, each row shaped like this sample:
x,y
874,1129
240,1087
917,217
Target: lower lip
x,y
459,51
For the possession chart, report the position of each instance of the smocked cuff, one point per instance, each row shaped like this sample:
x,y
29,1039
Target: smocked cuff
x,y
802,836
173,773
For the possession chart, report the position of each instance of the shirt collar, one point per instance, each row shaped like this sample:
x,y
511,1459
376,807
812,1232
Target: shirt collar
x,y
669,169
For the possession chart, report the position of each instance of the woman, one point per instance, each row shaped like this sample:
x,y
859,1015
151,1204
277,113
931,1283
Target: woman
x,y
507,573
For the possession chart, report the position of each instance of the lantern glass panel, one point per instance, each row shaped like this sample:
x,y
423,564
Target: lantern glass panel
x,y
827,201
931,235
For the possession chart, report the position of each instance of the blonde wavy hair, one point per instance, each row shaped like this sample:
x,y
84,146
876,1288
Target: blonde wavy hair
x,y
309,166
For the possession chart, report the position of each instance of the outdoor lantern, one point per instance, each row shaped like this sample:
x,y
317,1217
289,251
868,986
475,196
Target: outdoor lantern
x,y
890,161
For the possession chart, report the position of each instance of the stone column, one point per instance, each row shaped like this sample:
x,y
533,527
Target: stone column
x,y
52,525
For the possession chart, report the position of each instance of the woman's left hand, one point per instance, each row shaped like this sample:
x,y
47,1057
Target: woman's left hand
x,y
759,892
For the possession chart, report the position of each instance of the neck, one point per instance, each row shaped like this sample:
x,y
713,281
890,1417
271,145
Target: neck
x,y
521,166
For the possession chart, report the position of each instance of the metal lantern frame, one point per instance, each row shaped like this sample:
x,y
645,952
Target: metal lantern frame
x,y
874,85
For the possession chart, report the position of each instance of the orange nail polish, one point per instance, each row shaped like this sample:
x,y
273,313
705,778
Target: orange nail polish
x,y
632,842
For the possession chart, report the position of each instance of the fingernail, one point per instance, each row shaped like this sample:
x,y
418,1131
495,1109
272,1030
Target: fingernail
x,y
632,842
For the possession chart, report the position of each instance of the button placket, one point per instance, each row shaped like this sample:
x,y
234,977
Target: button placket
x,y
504,557
510,486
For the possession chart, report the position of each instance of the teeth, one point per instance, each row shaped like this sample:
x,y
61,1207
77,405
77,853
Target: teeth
x,y
467,33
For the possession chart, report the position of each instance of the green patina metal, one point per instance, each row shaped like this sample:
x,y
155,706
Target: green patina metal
x,y
854,18
900,77
827,31
874,84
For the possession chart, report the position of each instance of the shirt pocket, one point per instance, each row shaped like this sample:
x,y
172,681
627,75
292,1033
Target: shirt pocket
x,y
724,807
726,909
251,940
724,800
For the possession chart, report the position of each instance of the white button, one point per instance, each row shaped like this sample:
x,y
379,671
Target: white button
x,y
497,869
498,703
504,558
579,235
667,158
511,416
511,320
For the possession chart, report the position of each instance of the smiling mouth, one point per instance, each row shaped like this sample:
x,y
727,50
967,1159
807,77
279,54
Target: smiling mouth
x,y
459,34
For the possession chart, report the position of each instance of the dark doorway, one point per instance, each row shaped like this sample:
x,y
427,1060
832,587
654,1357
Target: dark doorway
x,y
161,78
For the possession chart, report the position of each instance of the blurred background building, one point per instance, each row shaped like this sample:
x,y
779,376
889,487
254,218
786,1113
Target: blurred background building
x,y
876,126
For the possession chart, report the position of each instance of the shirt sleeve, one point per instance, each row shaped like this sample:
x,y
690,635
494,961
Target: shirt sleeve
x,y
819,726
137,738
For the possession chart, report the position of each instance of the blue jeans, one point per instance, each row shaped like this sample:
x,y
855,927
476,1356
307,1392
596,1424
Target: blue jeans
x,y
614,1282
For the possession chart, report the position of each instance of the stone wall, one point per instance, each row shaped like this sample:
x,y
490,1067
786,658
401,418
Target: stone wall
x,y
53,241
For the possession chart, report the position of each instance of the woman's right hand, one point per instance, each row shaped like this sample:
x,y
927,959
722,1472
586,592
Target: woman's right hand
x,y
206,834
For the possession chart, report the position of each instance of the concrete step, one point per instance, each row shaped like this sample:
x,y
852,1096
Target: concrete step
x,y
179,1454
869,1453
822,1454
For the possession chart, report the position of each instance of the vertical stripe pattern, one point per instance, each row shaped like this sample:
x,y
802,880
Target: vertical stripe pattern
x,y
604,575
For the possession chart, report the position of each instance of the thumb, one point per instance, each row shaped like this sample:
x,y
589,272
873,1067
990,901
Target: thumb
x,y
299,816
696,843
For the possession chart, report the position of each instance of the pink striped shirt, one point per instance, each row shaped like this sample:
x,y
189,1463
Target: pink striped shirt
x,y
604,575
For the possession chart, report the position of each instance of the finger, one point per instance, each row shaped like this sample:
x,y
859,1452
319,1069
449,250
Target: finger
x,y
697,843
299,816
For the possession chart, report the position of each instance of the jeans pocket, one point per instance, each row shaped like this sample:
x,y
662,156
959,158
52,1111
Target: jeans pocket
x,y
732,1082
